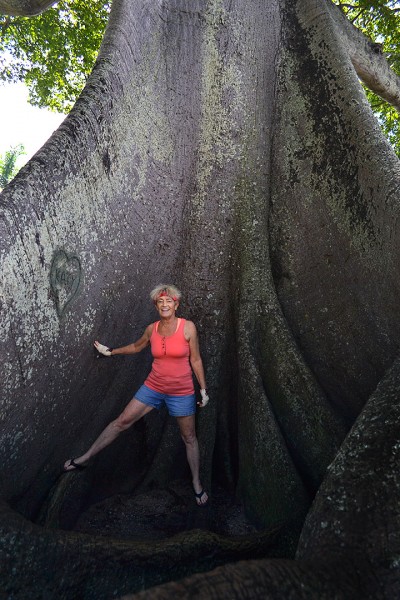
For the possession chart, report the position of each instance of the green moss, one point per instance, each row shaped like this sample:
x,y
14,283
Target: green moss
x,y
216,146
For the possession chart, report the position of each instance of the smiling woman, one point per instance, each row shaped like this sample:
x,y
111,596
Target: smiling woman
x,y
175,350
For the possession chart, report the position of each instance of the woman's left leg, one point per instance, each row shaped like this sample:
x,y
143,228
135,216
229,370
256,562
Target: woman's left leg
x,y
188,432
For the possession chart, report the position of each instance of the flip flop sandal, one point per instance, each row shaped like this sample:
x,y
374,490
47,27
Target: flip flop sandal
x,y
199,495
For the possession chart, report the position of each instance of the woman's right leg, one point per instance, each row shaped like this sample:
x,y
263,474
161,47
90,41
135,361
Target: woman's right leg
x,y
134,411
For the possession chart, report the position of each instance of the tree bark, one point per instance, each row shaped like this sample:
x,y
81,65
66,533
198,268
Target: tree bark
x,y
345,549
227,147
368,60
24,8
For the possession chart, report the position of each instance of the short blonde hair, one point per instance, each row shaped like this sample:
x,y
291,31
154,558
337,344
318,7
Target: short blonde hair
x,y
165,289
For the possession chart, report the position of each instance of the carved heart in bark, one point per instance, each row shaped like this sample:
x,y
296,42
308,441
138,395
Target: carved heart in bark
x,y
65,279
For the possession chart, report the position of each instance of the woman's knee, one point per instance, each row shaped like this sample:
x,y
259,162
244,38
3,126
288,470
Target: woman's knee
x,y
134,411
189,437
124,421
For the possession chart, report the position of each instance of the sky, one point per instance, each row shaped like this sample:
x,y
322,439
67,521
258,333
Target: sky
x,y
21,123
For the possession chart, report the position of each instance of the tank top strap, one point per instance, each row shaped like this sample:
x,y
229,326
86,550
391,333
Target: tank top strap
x,y
181,321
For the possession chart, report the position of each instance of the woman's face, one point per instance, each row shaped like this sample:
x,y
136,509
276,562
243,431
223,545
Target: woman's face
x,y
166,306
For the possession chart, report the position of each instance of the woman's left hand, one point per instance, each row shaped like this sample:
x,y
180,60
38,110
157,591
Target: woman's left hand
x,y
204,398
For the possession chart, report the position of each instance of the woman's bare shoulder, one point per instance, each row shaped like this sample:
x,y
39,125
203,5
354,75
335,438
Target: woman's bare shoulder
x,y
149,330
190,329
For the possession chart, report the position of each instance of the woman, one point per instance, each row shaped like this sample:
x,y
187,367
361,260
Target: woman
x,y
175,349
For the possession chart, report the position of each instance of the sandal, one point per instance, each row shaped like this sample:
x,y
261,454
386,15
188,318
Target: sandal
x,y
199,496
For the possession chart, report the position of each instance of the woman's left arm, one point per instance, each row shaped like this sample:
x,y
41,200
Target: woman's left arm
x,y
195,358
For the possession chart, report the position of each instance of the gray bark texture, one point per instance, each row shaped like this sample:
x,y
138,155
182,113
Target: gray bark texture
x,y
368,60
24,8
227,147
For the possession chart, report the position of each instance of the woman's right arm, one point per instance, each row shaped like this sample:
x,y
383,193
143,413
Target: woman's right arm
x,y
134,348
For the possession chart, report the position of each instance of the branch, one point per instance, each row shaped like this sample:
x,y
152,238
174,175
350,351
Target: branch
x,y
24,8
368,60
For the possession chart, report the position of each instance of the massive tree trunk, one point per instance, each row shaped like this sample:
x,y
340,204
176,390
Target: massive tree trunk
x,y
228,147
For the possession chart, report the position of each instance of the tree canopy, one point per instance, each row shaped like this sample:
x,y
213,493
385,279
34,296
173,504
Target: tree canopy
x,y
8,168
54,52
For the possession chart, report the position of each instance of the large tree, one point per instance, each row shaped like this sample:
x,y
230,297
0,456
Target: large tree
x,y
228,146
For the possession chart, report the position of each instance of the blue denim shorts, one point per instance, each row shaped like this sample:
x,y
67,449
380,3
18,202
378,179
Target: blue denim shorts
x,y
178,406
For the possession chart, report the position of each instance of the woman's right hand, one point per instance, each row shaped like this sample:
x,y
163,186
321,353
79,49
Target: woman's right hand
x,y
102,349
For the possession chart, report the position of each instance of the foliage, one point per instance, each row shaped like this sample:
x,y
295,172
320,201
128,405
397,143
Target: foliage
x,y
8,168
380,21
54,52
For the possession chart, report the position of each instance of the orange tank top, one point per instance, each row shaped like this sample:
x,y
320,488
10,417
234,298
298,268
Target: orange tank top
x,y
171,372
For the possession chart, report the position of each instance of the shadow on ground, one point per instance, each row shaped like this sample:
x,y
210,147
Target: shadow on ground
x,y
159,514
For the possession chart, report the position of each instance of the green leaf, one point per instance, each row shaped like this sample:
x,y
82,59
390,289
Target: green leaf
x,y
8,168
53,53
